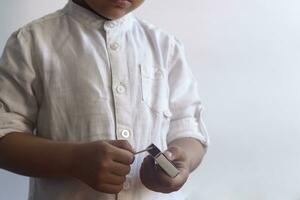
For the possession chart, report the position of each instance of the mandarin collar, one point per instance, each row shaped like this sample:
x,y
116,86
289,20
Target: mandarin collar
x,y
89,18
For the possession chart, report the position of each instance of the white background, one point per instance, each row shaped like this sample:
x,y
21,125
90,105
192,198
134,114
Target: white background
x,y
246,57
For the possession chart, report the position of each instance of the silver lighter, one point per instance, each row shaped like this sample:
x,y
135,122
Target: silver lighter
x,y
165,164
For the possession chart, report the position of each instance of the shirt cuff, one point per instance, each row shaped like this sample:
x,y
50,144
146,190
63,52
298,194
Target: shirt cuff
x,y
192,127
10,122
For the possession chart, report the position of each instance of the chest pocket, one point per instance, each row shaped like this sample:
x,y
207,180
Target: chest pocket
x,y
155,90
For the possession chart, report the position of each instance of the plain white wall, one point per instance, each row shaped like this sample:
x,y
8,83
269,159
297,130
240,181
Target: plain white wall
x,y
246,57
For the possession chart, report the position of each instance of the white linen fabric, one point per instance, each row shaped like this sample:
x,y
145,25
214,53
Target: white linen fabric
x,y
74,76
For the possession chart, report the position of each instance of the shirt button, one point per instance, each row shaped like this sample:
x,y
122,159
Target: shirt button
x,y
115,46
125,133
167,113
111,25
121,89
126,185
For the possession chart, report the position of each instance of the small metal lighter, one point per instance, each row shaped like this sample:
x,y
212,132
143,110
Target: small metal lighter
x,y
165,164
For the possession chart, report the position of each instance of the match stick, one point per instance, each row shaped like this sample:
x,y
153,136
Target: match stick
x,y
143,150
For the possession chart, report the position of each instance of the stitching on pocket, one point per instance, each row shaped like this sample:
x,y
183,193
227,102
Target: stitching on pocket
x,y
154,88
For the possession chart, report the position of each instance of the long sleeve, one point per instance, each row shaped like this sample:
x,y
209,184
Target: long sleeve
x,y
18,105
185,104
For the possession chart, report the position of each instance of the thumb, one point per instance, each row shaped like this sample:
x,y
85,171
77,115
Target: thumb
x,y
169,155
173,153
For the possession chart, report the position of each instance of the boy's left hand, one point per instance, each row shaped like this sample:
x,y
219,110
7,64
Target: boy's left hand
x,y
156,180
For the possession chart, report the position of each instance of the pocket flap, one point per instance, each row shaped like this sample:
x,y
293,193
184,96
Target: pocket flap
x,y
152,72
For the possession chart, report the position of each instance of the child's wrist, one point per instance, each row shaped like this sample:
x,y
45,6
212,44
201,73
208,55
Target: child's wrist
x,y
72,161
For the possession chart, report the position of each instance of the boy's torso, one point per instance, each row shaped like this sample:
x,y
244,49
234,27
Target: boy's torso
x,y
99,80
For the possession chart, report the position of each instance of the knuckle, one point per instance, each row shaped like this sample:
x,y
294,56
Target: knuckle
x,y
100,178
99,144
174,149
104,165
124,142
98,186
124,171
126,145
106,155
106,150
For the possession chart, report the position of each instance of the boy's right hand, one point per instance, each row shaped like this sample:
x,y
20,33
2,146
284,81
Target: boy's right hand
x,y
103,165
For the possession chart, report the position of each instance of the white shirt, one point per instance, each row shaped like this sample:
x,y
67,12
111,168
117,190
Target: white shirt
x,y
73,76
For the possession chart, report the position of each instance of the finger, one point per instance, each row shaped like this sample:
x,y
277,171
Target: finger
x,y
147,173
122,151
156,180
161,175
123,156
169,155
122,144
174,153
120,169
114,179
176,156
110,189
168,184
148,162
147,168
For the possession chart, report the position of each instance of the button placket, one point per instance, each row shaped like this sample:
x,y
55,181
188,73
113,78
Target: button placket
x,y
167,113
114,46
121,89
126,185
109,25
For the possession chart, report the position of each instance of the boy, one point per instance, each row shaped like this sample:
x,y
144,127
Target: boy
x,y
85,87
